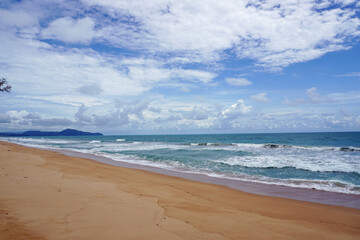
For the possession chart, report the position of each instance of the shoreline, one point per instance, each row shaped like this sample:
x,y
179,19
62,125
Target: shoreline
x,y
273,190
263,189
47,195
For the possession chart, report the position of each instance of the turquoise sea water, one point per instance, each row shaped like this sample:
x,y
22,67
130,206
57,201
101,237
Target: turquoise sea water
x,y
324,161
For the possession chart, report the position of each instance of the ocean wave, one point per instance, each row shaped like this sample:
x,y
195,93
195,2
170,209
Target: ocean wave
x,y
328,185
321,148
138,146
317,163
349,149
120,140
140,161
95,141
274,146
208,144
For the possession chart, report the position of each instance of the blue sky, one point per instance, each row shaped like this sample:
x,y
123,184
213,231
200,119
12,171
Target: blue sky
x,y
168,66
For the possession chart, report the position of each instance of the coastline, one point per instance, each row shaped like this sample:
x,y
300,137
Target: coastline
x,y
273,190
47,195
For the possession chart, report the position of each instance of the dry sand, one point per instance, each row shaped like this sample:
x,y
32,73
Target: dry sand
x,y
46,195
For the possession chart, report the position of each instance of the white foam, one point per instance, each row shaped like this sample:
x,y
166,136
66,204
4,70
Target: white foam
x,y
40,141
137,160
248,145
312,162
120,140
139,146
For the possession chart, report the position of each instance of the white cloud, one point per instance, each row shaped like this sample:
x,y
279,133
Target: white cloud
x,y
124,113
148,75
70,30
195,75
350,97
238,81
346,2
23,120
38,67
16,18
274,33
296,101
351,74
315,97
17,114
80,115
5,118
52,122
198,113
261,97
236,110
90,89
71,100
162,115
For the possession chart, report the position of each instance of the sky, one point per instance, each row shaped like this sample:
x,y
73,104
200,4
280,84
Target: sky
x,y
189,66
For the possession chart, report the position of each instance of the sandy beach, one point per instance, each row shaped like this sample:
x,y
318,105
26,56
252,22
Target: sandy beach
x,y
46,195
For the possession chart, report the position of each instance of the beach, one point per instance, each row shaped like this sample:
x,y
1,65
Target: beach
x,y
47,195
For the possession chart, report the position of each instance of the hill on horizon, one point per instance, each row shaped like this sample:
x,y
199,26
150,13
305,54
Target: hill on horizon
x,y
65,132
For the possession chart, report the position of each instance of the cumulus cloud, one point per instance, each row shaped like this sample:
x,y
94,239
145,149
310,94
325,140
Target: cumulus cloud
x,y
238,81
175,116
124,113
81,116
70,30
261,97
236,110
163,116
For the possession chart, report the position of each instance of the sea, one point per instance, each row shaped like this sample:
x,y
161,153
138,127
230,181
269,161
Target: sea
x,y
323,161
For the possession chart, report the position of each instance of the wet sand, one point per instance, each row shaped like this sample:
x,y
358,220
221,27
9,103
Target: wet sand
x,y
47,195
303,194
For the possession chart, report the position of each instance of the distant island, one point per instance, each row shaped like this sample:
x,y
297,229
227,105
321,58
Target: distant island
x,y
66,132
